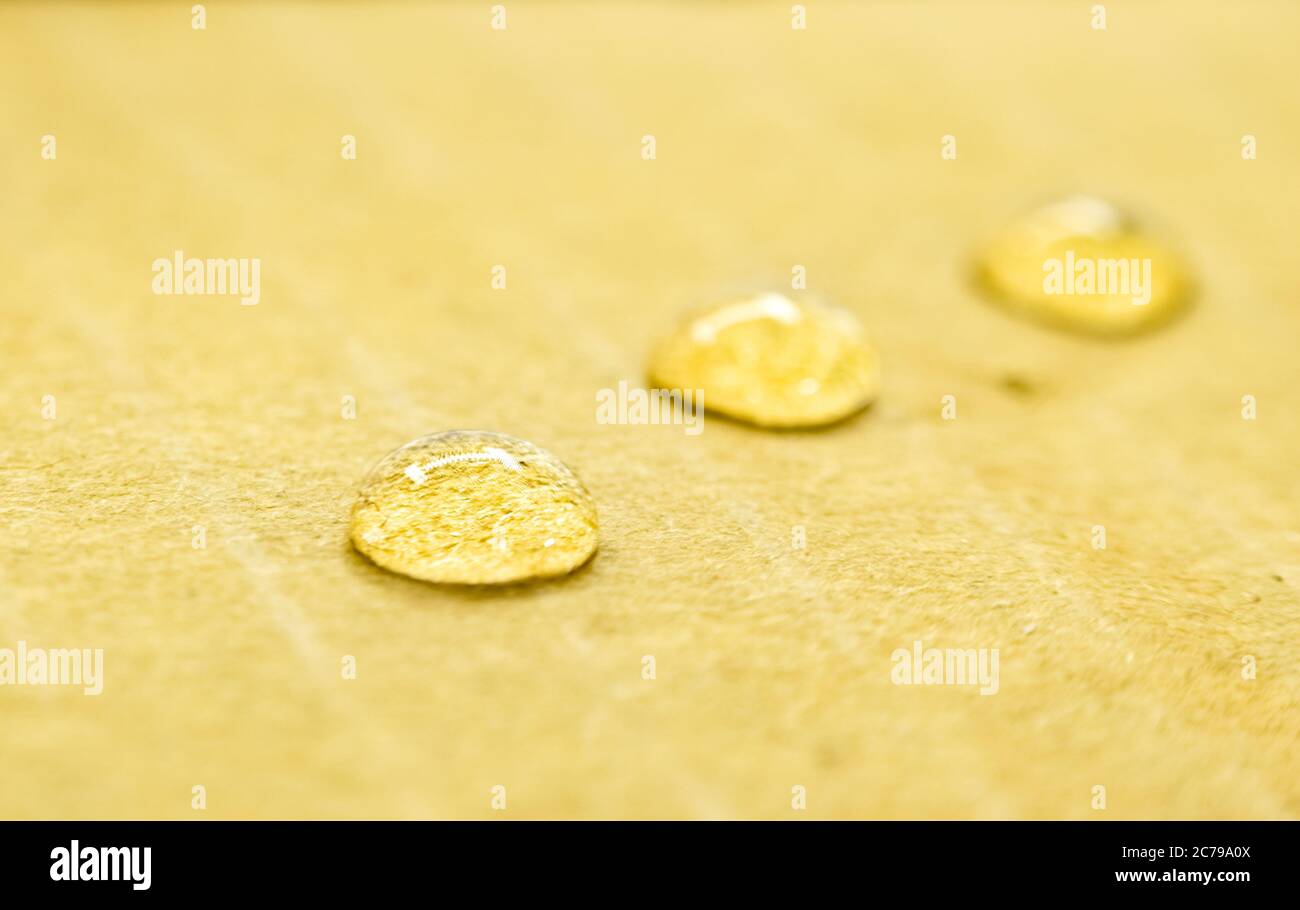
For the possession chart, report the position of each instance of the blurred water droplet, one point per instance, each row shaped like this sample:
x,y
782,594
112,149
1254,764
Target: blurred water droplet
x,y
1082,263
771,361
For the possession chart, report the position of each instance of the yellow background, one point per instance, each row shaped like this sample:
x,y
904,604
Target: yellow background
x,y
521,147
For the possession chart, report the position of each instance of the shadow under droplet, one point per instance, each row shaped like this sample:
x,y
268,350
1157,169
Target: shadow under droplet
x,y
810,430
373,572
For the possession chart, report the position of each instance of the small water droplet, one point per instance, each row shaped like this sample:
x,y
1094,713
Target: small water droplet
x,y
1082,263
470,507
771,361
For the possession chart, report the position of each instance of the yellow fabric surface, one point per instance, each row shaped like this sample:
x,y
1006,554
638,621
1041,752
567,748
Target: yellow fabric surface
x,y
775,147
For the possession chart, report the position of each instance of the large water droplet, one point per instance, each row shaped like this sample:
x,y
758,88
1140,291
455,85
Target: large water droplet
x,y
470,507
1081,263
771,361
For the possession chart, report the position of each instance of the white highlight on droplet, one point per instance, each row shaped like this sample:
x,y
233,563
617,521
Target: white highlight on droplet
x,y
765,306
420,473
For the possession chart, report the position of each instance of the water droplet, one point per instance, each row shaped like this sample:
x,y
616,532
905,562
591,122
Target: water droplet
x,y
772,361
1082,263
470,507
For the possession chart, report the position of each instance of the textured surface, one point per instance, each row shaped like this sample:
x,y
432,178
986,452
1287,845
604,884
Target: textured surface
x,y
1119,667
